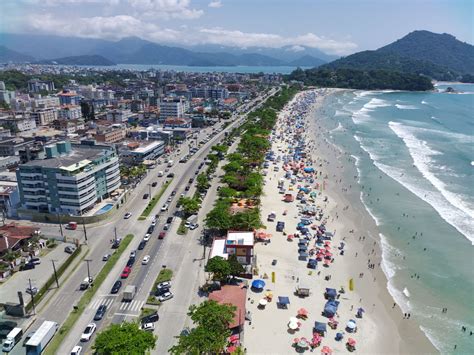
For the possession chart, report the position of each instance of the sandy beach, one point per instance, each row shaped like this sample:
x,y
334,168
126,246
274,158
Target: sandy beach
x,y
383,327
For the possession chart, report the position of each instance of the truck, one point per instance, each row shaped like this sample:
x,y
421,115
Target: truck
x,y
12,339
191,220
41,338
129,293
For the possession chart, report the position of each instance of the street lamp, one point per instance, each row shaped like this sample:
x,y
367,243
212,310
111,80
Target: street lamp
x,y
88,270
149,191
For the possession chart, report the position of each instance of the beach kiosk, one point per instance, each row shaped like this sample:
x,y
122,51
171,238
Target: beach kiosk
x,y
302,290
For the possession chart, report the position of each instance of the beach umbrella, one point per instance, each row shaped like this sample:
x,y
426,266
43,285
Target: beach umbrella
x,y
339,336
263,302
351,342
351,325
303,343
296,340
269,294
258,284
326,350
302,312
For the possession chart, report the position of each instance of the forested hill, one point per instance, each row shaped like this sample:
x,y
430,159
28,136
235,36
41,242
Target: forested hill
x,y
362,79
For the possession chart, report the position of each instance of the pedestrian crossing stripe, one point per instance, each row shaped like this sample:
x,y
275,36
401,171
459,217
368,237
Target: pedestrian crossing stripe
x,y
131,306
103,301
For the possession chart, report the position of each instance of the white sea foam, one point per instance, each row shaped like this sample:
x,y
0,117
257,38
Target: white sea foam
x,y
406,107
472,163
363,115
406,292
340,113
424,102
338,128
357,163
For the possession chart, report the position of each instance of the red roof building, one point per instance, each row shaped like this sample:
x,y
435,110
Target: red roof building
x,y
234,295
12,234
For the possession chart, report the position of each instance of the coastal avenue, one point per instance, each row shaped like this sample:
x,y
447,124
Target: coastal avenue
x,y
142,276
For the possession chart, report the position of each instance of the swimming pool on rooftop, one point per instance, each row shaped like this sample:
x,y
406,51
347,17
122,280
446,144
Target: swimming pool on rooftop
x,y
104,209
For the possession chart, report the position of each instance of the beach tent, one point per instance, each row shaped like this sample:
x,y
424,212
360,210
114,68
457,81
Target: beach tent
x,y
319,328
309,170
303,248
283,301
330,308
258,284
330,293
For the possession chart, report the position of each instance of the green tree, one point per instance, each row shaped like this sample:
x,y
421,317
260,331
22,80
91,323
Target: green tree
x,y
247,220
219,268
202,182
219,217
210,335
190,205
124,338
236,268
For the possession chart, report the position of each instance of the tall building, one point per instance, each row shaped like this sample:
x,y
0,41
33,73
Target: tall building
x,y
70,112
70,180
36,86
44,116
173,107
67,97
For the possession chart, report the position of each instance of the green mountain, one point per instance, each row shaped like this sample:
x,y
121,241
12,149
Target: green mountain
x,y
8,55
307,61
80,60
439,56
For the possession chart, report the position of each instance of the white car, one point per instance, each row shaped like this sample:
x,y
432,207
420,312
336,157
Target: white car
x,y
106,257
153,222
76,350
164,208
146,259
149,327
165,296
162,285
147,237
87,334
127,215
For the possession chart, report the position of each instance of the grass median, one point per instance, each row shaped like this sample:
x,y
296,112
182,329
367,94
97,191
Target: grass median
x,y
86,298
154,201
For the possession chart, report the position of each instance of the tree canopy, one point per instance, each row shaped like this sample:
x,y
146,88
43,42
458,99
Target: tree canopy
x,y
219,267
124,338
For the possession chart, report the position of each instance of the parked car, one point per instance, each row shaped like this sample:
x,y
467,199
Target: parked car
x,y
145,196
130,262
149,327
106,257
27,266
169,199
126,272
154,183
163,285
187,188
127,215
151,228
116,287
166,226
151,318
153,223
173,192
166,296
133,254
170,175
162,235
169,219
35,261
147,237
193,226
77,350
142,245
87,334
70,249
32,291
190,181
146,260
164,208
116,243
100,312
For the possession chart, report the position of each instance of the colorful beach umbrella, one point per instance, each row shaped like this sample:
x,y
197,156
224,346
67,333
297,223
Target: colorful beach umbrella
x,y
351,342
326,350
258,284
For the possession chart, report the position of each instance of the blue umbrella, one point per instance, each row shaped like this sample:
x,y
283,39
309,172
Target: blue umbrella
x,y
259,284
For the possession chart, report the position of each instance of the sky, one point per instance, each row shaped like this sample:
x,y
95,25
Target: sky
x,y
338,27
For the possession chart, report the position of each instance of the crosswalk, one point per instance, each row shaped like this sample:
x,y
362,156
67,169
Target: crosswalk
x,y
133,306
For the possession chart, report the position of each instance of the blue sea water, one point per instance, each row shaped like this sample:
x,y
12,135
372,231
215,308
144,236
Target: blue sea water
x,y
414,155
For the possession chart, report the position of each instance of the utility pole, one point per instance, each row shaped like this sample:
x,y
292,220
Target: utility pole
x,y
149,191
115,234
85,231
61,226
32,297
88,270
55,274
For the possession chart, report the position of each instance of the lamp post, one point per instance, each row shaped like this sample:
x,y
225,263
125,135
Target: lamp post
x,y
88,270
55,274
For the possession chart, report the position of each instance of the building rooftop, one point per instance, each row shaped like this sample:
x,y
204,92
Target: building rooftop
x,y
218,249
77,158
234,295
239,238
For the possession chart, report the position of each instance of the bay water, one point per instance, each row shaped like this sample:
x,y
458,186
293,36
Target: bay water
x,y
414,154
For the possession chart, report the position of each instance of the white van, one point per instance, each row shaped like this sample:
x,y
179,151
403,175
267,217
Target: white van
x,y
12,338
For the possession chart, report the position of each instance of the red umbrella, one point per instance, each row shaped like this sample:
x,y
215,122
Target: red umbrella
x,y
326,350
351,342
302,312
296,340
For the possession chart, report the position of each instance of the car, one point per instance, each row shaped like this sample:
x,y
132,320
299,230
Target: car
x,y
116,287
153,223
163,285
147,237
166,226
173,192
142,245
166,296
196,172
126,272
164,208
70,249
100,312
169,199
116,243
151,228
146,260
187,188
133,254
170,175
35,261
32,291
169,219
149,327
76,350
87,334
193,226
127,215
27,266
190,181
145,196
106,257
162,235
130,262
154,183
151,318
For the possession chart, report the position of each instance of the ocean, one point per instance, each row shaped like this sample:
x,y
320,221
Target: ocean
x,y
195,69
414,154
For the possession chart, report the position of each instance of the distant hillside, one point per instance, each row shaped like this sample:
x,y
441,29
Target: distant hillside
x,y
361,79
307,61
439,56
80,60
8,55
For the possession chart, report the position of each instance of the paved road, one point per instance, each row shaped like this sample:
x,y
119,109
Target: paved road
x,y
176,254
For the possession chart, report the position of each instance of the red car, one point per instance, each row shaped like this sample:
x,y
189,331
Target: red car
x,y
161,235
126,272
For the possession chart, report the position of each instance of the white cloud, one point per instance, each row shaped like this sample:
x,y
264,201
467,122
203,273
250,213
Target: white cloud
x,y
215,4
166,9
295,48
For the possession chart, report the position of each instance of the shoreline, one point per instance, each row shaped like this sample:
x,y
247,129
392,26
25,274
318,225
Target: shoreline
x,y
383,328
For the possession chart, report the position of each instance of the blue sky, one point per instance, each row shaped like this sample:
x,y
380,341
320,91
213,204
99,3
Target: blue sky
x,y
334,26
